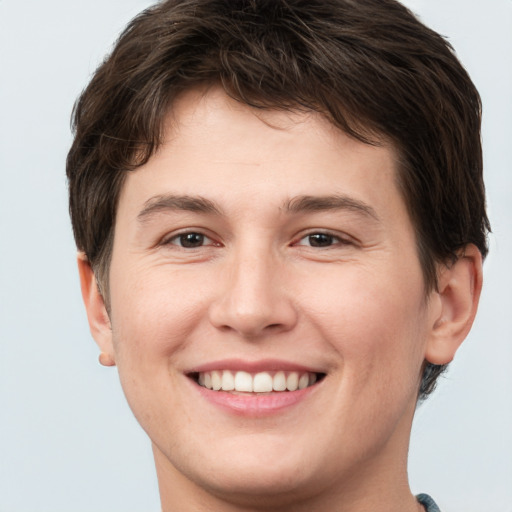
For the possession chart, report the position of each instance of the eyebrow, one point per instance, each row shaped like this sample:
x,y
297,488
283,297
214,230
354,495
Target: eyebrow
x,y
298,204
301,204
172,202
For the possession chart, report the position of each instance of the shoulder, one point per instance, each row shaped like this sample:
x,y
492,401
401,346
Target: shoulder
x,y
428,503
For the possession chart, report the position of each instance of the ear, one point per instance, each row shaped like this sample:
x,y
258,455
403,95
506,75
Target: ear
x,y
99,321
459,287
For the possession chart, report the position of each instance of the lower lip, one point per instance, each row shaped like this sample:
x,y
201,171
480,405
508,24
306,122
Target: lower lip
x,y
255,404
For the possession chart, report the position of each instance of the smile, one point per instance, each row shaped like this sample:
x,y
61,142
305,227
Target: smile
x,y
261,382
255,388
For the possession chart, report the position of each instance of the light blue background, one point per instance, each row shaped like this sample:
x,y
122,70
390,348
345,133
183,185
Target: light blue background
x,y
68,441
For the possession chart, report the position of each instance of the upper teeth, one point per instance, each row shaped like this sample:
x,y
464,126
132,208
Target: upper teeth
x,y
262,382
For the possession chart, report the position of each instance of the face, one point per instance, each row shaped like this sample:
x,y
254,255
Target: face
x,y
267,251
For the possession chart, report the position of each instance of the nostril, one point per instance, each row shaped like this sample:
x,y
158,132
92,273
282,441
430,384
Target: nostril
x,y
252,309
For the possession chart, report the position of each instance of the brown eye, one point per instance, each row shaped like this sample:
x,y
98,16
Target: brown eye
x,y
320,240
190,240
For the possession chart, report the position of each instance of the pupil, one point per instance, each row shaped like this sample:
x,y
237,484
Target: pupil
x,y
192,240
320,240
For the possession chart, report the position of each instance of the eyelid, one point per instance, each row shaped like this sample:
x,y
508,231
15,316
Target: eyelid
x,y
340,238
171,237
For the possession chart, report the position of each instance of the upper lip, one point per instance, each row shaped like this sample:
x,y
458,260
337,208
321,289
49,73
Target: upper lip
x,y
261,365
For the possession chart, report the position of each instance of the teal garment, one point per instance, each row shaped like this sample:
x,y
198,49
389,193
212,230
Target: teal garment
x,y
428,503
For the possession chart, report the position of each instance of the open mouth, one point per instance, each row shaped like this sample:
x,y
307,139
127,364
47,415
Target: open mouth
x,y
261,382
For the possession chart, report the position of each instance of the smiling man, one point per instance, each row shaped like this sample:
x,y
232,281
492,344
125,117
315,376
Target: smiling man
x,y
280,215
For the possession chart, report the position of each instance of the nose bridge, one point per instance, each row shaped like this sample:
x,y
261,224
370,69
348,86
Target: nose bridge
x,y
254,298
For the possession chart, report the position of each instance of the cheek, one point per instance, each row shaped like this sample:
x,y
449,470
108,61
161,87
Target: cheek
x,y
376,322
153,313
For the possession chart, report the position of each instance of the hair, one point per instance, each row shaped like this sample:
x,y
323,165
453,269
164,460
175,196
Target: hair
x,y
369,66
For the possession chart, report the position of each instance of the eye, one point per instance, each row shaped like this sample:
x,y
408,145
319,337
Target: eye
x,y
321,240
190,240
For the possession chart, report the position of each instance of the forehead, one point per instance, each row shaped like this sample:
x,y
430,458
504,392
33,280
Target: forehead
x,y
209,138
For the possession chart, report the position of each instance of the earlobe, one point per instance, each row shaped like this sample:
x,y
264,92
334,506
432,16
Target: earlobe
x,y
459,287
99,322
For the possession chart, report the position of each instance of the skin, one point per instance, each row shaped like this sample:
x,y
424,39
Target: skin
x,y
257,287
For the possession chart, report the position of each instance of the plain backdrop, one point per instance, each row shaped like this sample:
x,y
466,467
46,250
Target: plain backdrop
x,y
68,442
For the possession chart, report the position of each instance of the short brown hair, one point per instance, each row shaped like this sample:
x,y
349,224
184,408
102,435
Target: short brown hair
x,y
369,66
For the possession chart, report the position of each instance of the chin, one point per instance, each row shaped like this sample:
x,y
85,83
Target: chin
x,y
261,485
257,474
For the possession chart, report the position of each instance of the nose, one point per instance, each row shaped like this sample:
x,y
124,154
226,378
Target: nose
x,y
254,300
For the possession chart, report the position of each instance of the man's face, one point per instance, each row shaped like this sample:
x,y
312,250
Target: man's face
x,y
267,243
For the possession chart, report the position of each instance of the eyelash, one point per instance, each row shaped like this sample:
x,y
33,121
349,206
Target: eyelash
x,y
335,240
179,240
180,237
